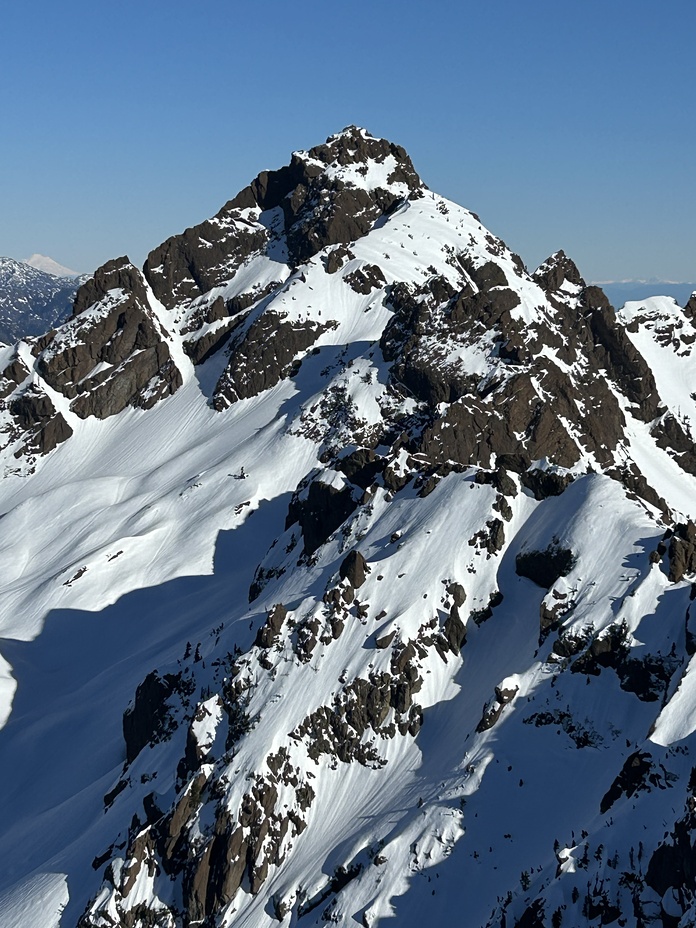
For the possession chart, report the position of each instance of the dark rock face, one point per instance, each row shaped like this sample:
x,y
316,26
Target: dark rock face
x,y
555,271
365,279
118,274
625,365
485,416
318,214
545,567
203,345
46,427
267,635
436,309
111,354
633,777
482,615
354,569
673,863
185,266
148,718
361,707
690,308
35,424
487,275
682,551
493,709
241,848
455,630
320,513
263,355
12,376
361,467
500,479
211,324
544,483
457,592
648,676
491,538
669,435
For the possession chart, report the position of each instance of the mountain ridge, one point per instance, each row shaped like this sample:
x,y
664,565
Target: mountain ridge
x,y
367,556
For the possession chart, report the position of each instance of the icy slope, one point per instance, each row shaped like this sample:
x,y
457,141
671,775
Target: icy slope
x,y
345,578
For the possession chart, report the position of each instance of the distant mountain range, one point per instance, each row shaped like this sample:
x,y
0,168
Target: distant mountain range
x,y
33,300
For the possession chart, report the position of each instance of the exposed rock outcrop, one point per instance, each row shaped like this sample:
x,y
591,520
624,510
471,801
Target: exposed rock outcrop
x,y
545,567
320,510
682,551
113,352
37,417
263,355
268,634
354,569
149,717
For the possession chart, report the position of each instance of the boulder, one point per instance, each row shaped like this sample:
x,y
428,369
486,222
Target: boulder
x,y
354,569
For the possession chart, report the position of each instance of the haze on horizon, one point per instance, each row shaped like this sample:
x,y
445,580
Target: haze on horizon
x,y
562,127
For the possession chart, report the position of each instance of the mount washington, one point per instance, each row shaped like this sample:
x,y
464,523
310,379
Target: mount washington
x,y
347,574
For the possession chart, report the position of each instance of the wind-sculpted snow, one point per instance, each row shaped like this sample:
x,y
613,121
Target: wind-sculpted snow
x,y
357,585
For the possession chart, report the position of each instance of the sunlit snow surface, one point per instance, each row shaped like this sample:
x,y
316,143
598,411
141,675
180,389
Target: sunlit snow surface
x,y
138,535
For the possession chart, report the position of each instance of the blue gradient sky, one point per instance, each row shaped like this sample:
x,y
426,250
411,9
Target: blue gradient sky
x,y
563,124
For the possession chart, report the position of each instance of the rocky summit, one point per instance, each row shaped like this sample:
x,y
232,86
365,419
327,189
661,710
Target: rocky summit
x,y
347,576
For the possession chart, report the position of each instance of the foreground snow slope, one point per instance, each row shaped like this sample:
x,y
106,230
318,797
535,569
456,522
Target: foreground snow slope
x,y
346,577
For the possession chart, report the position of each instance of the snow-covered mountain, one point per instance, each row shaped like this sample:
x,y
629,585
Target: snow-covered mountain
x,y
347,577
44,263
32,300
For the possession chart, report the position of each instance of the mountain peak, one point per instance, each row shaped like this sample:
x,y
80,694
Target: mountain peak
x,y
354,157
331,194
49,266
557,270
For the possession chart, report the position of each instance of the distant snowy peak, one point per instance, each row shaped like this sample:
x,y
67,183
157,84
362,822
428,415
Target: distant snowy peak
x,y
49,266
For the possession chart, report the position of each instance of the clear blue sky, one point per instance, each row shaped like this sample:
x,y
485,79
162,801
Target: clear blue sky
x,y
563,124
